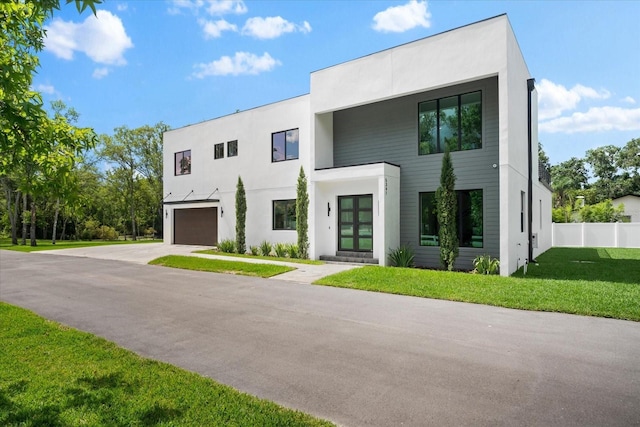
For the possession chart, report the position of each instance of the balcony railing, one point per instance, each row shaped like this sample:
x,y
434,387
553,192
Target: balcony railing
x,y
544,175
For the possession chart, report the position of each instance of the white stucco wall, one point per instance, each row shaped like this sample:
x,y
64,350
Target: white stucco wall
x,y
263,180
381,180
464,54
631,206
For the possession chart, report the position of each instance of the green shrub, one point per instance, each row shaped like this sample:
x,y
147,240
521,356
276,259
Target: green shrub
x,y
292,250
107,233
90,230
265,248
484,264
254,250
227,245
402,256
281,250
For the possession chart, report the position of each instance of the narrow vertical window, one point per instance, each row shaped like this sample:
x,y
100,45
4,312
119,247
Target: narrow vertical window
x,y
182,163
232,148
218,151
428,124
522,206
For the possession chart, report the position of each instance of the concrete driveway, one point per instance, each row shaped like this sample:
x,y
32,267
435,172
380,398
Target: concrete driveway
x,y
356,358
145,252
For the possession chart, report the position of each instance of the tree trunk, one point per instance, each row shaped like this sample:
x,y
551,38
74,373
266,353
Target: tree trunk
x,y
14,223
133,215
33,222
64,228
24,223
12,209
55,222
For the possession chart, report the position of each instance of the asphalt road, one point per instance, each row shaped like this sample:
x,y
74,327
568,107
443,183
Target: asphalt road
x,y
356,358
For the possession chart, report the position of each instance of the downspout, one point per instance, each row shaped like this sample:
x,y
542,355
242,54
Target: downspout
x,y
530,86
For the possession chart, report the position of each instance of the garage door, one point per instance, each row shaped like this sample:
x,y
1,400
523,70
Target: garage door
x,y
195,226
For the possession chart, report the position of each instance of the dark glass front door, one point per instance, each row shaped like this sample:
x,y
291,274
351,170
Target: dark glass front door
x,y
355,223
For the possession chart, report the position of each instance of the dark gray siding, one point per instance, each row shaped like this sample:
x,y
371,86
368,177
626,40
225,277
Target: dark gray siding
x,y
388,131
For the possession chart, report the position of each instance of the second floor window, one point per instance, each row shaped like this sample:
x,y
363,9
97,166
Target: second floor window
x,y
284,145
454,123
218,152
183,162
232,148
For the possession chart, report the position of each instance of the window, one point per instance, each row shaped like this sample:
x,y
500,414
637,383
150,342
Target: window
x,y
232,148
469,219
284,214
522,206
183,162
454,122
284,145
218,151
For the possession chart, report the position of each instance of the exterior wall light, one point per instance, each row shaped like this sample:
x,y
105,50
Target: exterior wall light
x,y
166,213
328,208
221,212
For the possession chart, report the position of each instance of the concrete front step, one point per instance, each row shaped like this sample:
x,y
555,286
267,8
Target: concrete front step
x,y
355,254
351,259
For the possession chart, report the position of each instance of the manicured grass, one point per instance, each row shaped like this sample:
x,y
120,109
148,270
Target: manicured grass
x,y
270,258
220,266
620,265
52,375
596,296
46,245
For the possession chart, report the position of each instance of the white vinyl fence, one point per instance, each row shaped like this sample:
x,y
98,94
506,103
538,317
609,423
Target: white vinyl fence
x,y
594,234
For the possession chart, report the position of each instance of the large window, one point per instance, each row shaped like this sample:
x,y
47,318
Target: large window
x,y
284,145
232,148
469,219
284,214
454,122
218,151
183,162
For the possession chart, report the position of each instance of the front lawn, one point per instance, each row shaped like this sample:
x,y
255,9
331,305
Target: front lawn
x,y
45,245
221,266
620,265
597,292
52,375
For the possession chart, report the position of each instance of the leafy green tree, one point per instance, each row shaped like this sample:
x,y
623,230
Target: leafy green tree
x,y
566,178
302,212
241,217
543,158
21,39
602,212
447,207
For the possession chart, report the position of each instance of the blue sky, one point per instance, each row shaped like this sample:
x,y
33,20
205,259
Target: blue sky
x,y
182,62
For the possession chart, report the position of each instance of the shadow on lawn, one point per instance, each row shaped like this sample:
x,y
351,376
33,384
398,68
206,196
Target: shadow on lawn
x,y
591,264
102,397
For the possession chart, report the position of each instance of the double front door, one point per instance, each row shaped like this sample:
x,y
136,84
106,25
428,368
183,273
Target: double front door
x,y
355,223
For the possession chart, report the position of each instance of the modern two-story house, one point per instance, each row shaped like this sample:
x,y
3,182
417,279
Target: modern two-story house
x,y
370,136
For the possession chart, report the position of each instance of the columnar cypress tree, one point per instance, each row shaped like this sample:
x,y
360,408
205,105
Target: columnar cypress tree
x,y
241,217
302,208
447,207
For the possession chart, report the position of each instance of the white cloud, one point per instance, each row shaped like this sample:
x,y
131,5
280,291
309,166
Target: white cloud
x,y
242,63
100,73
212,7
554,99
214,29
628,100
121,7
48,89
596,119
397,19
102,38
222,7
272,27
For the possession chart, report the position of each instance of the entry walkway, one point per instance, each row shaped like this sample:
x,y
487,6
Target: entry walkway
x,y
144,252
